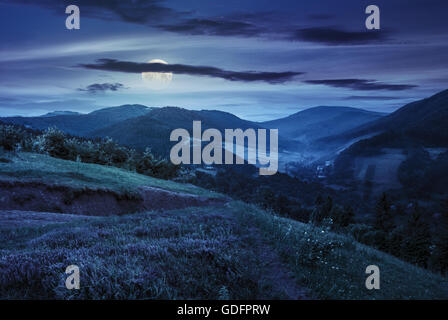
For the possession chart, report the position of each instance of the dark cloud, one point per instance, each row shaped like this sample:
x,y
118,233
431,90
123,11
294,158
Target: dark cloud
x,y
134,11
152,13
333,36
214,27
102,87
362,84
246,76
372,98
157,14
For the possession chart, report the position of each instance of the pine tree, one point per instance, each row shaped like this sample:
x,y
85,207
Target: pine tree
x,y
346,217
321,211
383,217
440,254
417,239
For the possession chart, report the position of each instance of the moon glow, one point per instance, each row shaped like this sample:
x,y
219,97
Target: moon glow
x,y
157,80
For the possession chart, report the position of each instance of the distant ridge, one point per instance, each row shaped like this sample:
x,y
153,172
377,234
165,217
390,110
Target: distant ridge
x,y
422,122
153,129
318,122
81,124
60,113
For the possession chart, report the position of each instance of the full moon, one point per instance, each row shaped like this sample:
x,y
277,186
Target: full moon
x,y
157,80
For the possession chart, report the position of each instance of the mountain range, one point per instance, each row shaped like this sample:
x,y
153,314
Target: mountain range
x,y
324,129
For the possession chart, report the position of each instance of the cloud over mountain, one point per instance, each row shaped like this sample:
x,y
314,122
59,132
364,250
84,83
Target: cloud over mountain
x,y
362,84
245,76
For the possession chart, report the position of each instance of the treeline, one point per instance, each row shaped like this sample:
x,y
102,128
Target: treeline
x,y
415,239
100,151
287,196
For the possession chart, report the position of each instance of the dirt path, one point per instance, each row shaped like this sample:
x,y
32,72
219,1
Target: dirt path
x,y
275,272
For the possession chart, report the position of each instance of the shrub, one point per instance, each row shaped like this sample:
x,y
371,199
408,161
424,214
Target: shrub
x,y
53,142
57,144
112,153
154,166
12,137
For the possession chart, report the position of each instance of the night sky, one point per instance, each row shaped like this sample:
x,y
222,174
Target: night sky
x,y
257,59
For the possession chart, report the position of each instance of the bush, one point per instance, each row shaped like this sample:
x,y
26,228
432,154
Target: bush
x,y
157,167
57,144
112,153
12,137
53,143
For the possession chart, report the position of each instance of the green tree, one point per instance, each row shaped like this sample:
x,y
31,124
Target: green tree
x,y
417,239
53,142
342,217
440,254
151,165
321,211
383,217
11,137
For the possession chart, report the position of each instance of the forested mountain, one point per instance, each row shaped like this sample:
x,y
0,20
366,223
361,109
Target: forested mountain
x,y
80,124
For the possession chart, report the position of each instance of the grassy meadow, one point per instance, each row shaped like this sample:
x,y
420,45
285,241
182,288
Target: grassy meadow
x,y
233,252
39,167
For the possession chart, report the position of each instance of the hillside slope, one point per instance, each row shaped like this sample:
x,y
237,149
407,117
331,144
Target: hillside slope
x,y
422,122
319,122
233,251
416,126
37,167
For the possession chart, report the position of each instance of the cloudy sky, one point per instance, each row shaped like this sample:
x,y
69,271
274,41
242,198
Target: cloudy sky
x,y
258,59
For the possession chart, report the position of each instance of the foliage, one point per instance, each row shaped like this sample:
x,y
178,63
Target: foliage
x,y
105,151
417,239
152,165
12,137
383,216
439,258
